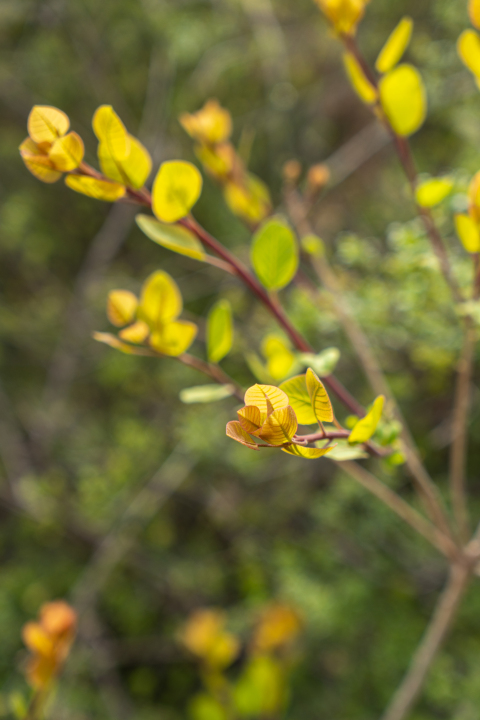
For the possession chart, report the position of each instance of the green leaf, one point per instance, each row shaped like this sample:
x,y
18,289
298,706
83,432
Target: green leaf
x,y
324,363
296,389
274,254
206,393
365,428
206,707
172,237
343,451
219,331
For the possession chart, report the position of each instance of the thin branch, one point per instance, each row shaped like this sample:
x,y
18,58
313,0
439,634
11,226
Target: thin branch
x,y
440,624
458,455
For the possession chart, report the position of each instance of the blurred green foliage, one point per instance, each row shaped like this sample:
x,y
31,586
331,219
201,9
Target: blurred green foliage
x,y
134,506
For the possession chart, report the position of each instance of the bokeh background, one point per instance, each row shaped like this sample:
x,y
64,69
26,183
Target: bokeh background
x,y
133,506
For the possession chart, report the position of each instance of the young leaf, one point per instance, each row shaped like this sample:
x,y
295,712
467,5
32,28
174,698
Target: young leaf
x,y
299,399
395,46
250,418
114,342
474,12
274,254
279,427
358,80
468,232
133,170
110,130
45,123
343,451
212,124
468,48
219,331
431,192
322,407
280,359
249,200
324,363
98,189
236,432
136,333
121,307
266,398
206,393
176,189
365,428
173,237
161,300
403,98
306,452
38,163
67,152
174,338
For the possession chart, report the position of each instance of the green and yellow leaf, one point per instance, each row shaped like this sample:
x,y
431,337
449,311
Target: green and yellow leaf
x,y
279,427
45,124
468,48
136,333
173,237
219,331
98,189
324,363
249,200
236,432
176,189
432,192
110,130
250,418
174,338
38,163
359,81
395,46
468,232
365,428
299,399
67,152
403,99
307,452
274,254
160,301
266,398
206,393
322,407
121,307
133,170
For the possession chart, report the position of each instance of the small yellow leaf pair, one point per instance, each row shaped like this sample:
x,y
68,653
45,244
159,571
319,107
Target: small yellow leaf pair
x,y
152,320
50,149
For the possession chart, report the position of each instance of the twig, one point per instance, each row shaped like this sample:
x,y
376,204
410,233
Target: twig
x,y
439,626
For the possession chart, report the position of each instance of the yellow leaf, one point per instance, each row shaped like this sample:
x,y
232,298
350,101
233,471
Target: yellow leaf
x,y
299,399
174,338
121,307
468,232
133,170
250,418
45,123
212,124
161,300
219,331
431,192
218,160
38,162
67,152
136,333
306,452
250,200
176,189
173,237
37,639
280,358
98,189
322,407
474,12
236,432
343,14
279,625
266,398
403,99
110,130
114,342
360,83
468,48
365,428
279,427
395,46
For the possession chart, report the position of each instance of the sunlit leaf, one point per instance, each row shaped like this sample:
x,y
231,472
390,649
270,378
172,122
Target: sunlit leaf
x,y
161,300
279,427
359,81
365,428
205,707
431,192
173,237
306,452
38,162
403,99
174,338
250,418
468,47
37,639
136,333
110,130
219,331
468,232
98,189
176,189
260,691
299,399
133,170
266,398
211,124
343,451
45,123
67,152
343,14
280,358
217,160
274,254
249,200
206,393
114,342
121,307
324,363
322,407
279,625
474,12
395,46
236,432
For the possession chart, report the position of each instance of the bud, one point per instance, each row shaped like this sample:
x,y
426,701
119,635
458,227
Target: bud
x,y
318,176
344,15
291,171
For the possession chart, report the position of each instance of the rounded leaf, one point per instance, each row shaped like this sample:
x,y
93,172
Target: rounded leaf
x,y
121,307
161,300
280,359
266,398
176,189
174,338
250,418
431,192
403,98
98,189
136,333
133,170
279,427
67,152
110,130
468,48
468,232
474,12
46,123
38,162
236,432
299,399
395,46
219,331
274,254
173,237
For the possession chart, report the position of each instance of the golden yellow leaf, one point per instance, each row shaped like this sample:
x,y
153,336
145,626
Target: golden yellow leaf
x,y
299,399
211,125
133,170
395,46
176,189
250,200
38,162
307,452
266,398
161,300
67,152
37,639
236,432
121,307
218,160
431,192
359,81
98,189
250,418
322,407
279,427
136,333
174,338
110,130
280,359
46,123
474,12
468,48
343,14
366,426
114,342
403,99
279,624
468,232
